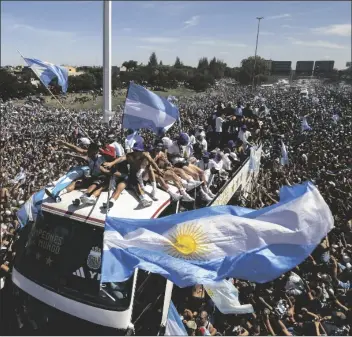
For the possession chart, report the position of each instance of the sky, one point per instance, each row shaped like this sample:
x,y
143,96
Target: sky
x,y
71,32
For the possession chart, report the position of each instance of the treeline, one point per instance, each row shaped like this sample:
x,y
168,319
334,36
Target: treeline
x,y
156,74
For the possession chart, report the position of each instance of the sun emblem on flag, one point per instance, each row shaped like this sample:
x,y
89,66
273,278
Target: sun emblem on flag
x,y
94,258
188,241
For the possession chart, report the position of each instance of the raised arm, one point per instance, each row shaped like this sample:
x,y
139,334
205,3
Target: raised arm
x,y
73,147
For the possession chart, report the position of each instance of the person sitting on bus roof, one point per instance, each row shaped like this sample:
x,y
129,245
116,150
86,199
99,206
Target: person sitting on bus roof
x,y
179,151
138,160
169,175
98,177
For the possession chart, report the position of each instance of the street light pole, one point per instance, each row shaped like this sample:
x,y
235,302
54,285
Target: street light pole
x,y
256,47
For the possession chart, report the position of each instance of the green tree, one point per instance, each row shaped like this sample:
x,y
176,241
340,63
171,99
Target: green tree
x,y
130,65
153,61
260,65
178,64
203,64
11,87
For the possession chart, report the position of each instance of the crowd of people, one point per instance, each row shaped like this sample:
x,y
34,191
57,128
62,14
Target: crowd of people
x,y
218,129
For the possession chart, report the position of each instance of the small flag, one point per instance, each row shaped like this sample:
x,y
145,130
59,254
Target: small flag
x,y
174,325
284,154
305,126
46,71
225,296
146,110
335,118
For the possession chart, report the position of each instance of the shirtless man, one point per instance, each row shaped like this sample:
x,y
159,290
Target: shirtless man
x,y
163,163
139,161
178,152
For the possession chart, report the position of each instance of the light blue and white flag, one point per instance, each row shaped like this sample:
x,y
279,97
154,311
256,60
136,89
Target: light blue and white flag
x,y
132,139
73,174
32,207
225,296
146,110
20,177
305,126
47,71
284,154
174,325
335,118
212,243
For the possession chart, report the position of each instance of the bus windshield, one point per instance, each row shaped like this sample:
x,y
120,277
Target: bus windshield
x,y
64,256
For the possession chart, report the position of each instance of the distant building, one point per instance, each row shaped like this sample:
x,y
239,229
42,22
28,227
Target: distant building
x,y
72,71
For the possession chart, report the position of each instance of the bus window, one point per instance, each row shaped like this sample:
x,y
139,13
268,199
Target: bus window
x,y
64,256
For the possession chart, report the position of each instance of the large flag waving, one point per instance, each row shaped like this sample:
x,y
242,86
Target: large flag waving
x,y
47,71
146,110
212,243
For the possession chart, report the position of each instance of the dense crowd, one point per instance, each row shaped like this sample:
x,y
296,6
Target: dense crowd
x,y
218,129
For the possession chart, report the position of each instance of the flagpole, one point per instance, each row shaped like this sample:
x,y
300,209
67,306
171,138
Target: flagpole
x,y
168,294
68,114
107,61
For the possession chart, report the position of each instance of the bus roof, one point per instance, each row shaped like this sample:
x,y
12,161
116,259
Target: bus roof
x,y
125,207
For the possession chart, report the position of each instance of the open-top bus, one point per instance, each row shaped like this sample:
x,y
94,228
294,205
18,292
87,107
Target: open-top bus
x,y
58,260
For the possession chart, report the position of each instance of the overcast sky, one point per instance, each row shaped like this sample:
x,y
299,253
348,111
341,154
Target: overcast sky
x,y
70,32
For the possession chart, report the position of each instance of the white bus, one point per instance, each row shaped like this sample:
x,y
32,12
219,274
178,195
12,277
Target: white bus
x,y
58,260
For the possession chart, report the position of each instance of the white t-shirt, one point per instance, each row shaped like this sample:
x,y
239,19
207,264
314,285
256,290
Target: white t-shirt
x,y
184,152
227,162
192,139
244,135
118,149
94,165
204,144
218,124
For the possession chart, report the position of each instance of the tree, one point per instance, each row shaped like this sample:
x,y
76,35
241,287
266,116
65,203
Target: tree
x,y
11,87
203,64
217,68
130,65
200,81
178,64
260,65
161,63
153,61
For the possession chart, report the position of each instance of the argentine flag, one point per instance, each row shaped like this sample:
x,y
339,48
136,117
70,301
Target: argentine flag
x,y
284,154
305,126
174,325
225,296
146,110
213,243
47,71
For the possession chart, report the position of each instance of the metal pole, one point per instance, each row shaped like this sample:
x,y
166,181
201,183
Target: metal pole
x,y
256,47
107,62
